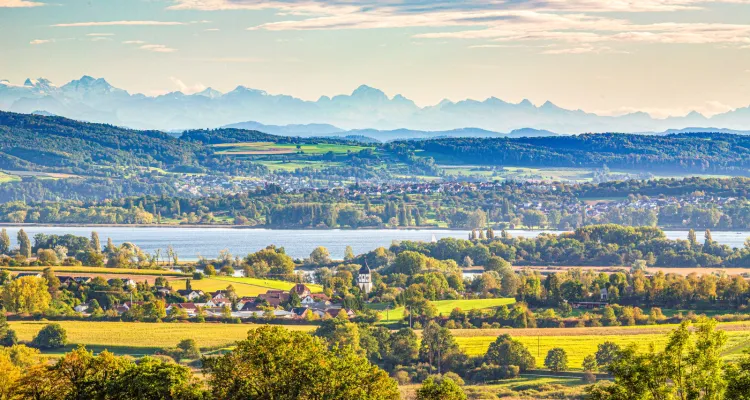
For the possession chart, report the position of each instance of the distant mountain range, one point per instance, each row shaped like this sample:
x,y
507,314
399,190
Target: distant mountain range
x,y
365,109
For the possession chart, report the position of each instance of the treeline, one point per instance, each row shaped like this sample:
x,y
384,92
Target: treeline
x,y
595,245
701,204
689,152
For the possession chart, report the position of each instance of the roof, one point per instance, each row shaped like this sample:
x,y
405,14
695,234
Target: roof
x,y
365,269
300,288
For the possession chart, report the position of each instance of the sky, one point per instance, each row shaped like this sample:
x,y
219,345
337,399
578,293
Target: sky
x,y
664,57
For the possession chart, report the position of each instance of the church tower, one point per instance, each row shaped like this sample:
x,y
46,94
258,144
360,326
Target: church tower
x,y
364,280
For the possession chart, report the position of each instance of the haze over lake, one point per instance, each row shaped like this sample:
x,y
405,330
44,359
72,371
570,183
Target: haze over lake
x,y
190,243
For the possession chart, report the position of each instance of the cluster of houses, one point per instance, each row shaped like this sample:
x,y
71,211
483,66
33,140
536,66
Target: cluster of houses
x,y
269,304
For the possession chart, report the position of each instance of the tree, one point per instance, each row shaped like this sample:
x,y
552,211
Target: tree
x,y
606,353
409,262
505,351
689,367
96,246
26,295
468,262
446,389
589,363
404,346
437,344
556,360
4,242
738,379
7,335
280,364
52,336
24,244
349,254
320,255
189,349
497,264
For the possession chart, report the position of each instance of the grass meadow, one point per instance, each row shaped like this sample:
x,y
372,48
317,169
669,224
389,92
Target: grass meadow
x,y
445,307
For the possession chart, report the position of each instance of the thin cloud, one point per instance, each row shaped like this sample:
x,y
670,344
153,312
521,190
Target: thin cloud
x,y
100,34
133,42
157,48
40,41
119,23
19,4
187,89
233,59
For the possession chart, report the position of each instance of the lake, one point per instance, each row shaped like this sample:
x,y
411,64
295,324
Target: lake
x,y
189,243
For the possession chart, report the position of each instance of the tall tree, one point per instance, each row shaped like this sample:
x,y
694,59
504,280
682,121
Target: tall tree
x,y
95,244
4,242
24,244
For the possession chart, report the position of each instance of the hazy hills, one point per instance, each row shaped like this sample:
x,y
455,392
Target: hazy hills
x,y
366,108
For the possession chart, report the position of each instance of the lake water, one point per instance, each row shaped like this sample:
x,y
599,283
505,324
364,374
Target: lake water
x,y
189,243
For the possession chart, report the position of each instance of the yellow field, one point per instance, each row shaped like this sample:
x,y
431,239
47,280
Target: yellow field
x,y
137,338
242,286
580,342
97,270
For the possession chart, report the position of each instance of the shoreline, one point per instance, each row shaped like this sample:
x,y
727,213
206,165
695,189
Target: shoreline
x,y
240,227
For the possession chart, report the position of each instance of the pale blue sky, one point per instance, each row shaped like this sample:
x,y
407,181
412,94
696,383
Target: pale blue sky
x,y
665,57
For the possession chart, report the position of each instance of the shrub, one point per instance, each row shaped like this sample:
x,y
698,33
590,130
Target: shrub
x,y
402,377
588,377
52,336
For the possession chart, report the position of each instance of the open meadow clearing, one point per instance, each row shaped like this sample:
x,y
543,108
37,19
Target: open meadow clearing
x,y
580,342
139,338
242,286
444,307
269,148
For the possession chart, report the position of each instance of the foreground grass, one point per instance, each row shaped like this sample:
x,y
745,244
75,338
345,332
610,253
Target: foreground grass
x,y
242,286
139,338
525,387
97,270
445,307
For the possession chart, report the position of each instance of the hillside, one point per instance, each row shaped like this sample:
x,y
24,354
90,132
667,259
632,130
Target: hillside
x,y
693,153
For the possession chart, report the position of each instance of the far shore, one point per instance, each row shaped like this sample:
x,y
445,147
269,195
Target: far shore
x,y
400,228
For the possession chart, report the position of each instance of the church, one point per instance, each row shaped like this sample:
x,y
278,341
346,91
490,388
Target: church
x,y
364,280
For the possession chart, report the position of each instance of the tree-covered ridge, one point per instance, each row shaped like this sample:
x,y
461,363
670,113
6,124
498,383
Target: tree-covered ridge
x,y
63,145
706,152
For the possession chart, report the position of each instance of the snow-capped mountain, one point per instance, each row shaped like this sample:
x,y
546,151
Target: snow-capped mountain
x,y
94,99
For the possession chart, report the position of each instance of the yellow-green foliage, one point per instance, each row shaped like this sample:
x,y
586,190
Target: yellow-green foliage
x,y
142,338
242,286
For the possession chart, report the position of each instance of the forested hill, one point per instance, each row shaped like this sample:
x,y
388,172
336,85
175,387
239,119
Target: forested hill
x,y
694,152
41,143
228,135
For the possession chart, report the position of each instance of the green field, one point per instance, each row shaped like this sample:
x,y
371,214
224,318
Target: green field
x,y
269,148
242,286
444,307
290,166
580,342
139,338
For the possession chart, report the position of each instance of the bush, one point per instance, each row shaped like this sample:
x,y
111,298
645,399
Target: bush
x,y
402,377
454,377
588,377
52,336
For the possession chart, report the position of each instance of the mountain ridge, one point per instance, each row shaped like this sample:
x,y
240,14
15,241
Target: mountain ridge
x,y
96,100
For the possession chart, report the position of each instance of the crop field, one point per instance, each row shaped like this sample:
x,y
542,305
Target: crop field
x,y
97,270
445,307
269,148
580,342
290,166
139,338
242,286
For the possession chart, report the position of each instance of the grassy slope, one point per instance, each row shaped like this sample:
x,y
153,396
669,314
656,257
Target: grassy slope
x,y
446,306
